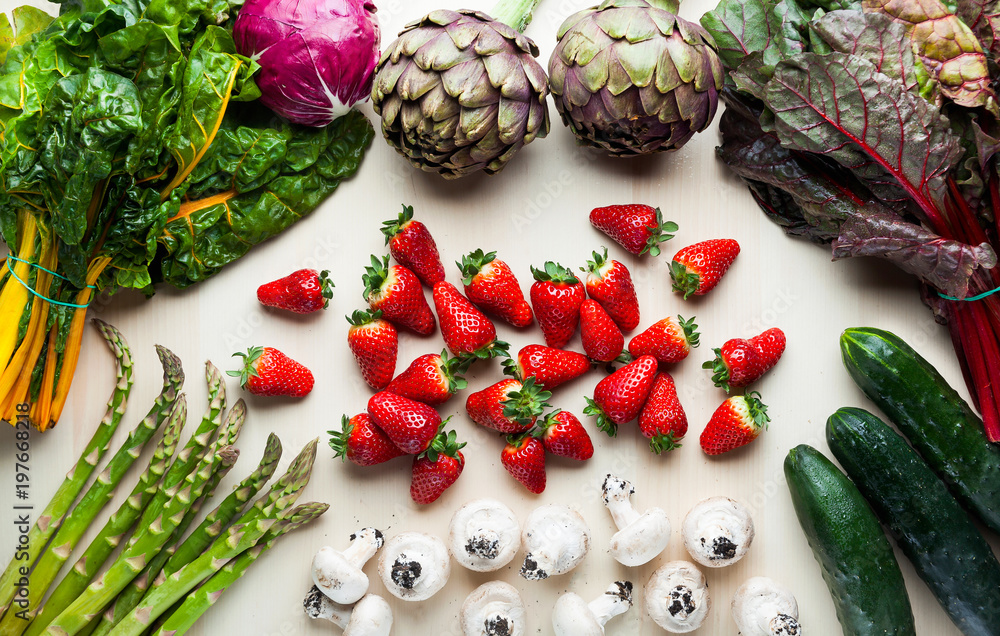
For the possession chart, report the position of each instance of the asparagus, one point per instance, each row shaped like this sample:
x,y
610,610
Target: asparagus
x,y
252,526
202,599
51,518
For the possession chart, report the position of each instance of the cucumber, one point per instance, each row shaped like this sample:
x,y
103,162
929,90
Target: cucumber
x,y
933,417
857,561
929,525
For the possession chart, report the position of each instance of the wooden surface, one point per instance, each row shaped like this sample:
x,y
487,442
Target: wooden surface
x,y
534,211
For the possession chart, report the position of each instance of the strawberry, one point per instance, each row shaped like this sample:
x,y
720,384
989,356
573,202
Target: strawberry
x,y
411,425
602,339
437,468
562,434
361,442
769,346
610,284
662,419
550,367
396,292
619,397
669,340
267,371
736,364
431,379
737,422
413,247
466,330
491,285
556,296
374,343
509,406
638,228
524,459
303,291
696,269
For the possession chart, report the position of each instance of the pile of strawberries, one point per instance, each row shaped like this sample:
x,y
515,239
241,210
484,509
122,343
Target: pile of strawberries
x,y
401,418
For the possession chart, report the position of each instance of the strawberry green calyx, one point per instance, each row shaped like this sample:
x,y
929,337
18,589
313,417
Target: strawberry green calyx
x,y
394,227
691,333
684,280
604,422
757,410
375,275
473,263
453,369
361,317
339,439
512,368
326,286
495,349
444,443
554,273
599,265
659,233
525,405
664,442
544,424
248,371
719,369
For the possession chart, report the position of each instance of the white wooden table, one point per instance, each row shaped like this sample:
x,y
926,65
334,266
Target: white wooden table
x,y
535,211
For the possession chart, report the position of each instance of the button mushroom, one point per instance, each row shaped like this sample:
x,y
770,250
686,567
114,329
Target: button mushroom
x,y
556,538
640,538
484,535
371,616
572,616
763,607
494,609
718,532
677,597
414,566
338,574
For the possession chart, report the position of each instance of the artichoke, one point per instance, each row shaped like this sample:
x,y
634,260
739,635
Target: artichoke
x,y
460,92
633,78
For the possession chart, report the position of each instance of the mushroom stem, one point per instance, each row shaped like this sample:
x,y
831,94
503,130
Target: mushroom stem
x,y
317,605
617,497
364,544
617,599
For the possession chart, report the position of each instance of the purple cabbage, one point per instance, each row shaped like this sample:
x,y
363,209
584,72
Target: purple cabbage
x,y
317,57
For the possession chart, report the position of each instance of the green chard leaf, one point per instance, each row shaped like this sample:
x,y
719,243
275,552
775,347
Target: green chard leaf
x,y
983,17
872,36
742,27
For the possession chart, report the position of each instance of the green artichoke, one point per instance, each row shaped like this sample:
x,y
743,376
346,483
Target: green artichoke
x,y
634,79
460,92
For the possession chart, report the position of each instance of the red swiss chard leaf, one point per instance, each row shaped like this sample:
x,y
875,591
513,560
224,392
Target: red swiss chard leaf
x,y
983,17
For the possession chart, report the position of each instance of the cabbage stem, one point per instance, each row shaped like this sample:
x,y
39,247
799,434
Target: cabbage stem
x,y
514,13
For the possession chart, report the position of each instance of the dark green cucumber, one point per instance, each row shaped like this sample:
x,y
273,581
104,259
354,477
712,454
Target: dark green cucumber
x,y
845,536
929,525
933,417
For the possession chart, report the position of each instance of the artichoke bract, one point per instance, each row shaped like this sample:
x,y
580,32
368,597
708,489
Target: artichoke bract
x,y
460,92
633,78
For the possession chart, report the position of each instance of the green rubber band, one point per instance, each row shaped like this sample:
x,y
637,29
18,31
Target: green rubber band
x,y
32,290
971,298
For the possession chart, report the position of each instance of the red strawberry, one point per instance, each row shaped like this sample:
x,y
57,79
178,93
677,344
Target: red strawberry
x,y
638,228
361,442
524,459
466,330
509,406
737,422
696,269
619,397
491,285
769,345
267,371
303,291
556,296
412,246
396,292
374,343
736,364
431,379
602,339
437,468
562,434
610,284
411,425
669,340
663,420
550,367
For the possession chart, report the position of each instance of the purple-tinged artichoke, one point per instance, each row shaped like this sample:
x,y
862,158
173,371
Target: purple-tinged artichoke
x,y
459,91
634,79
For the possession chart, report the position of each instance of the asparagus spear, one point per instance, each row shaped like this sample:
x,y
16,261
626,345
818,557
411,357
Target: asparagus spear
x,y
51,518
202,599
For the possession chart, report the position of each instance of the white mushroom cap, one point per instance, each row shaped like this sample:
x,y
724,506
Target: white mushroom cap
x,y
371,616
414,566
338,574
494,609
556,538
677,597
484,535
572,616
764,607
640,538
718,532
